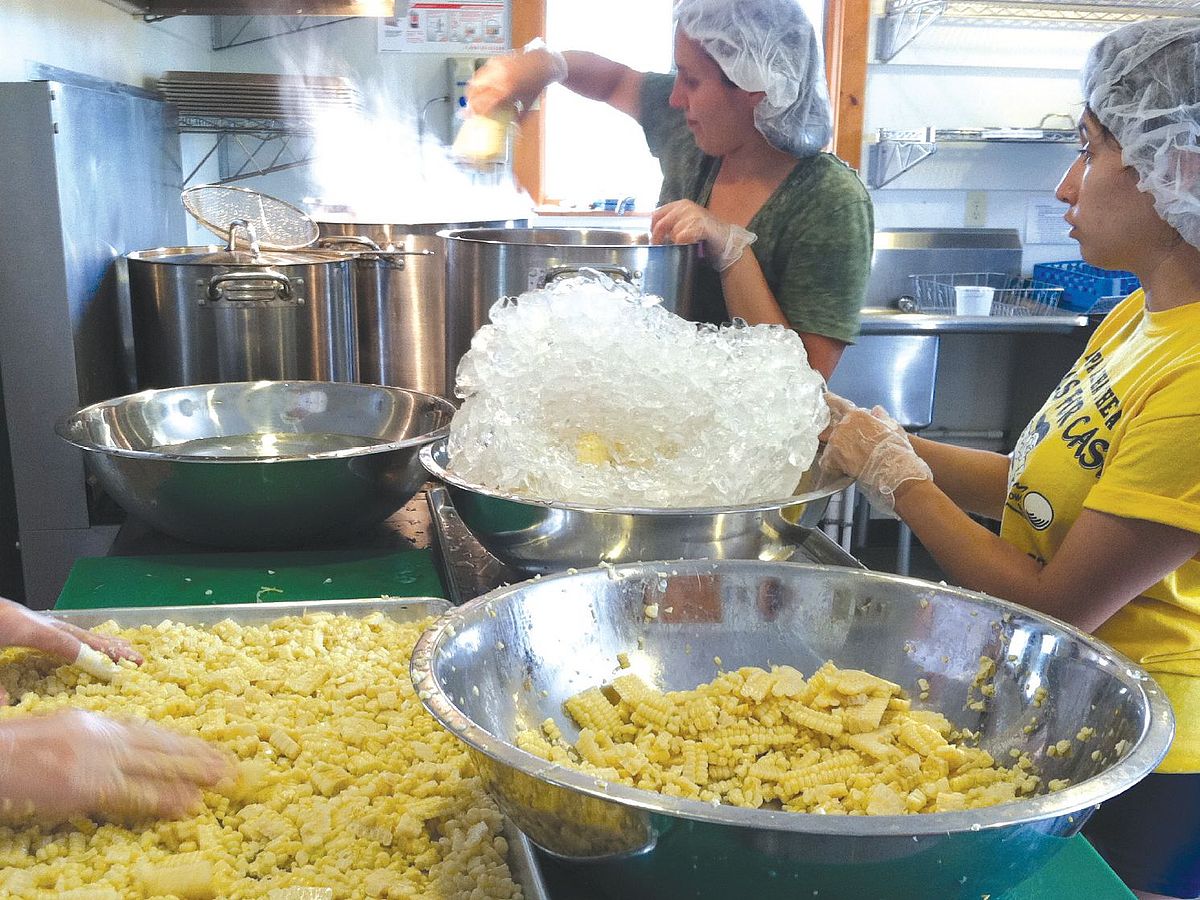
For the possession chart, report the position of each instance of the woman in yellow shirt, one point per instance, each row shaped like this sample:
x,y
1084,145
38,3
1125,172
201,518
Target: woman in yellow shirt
x,y
1099,503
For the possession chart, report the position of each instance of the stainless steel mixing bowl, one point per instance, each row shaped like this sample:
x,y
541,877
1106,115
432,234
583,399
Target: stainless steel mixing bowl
x,y
260,464
543,536
507,660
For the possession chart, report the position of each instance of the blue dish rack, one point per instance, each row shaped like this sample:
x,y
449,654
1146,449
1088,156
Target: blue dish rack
x,y
1086,288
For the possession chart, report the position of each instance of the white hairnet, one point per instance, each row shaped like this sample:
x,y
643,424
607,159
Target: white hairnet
x,y
769,46
1143,83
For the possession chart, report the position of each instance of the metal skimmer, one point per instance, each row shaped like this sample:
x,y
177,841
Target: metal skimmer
x,y
258,220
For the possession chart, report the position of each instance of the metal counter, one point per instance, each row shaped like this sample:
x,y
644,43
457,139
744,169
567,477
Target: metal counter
x,y
894,322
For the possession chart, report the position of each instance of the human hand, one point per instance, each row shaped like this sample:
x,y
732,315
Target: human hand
x,y
516,79
874,449
838,408
685,222
73,762
22,627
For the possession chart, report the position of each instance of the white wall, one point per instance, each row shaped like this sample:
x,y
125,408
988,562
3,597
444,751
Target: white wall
x,y
94,38
960,76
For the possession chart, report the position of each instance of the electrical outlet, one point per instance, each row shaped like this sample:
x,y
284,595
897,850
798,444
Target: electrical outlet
x,y
976,215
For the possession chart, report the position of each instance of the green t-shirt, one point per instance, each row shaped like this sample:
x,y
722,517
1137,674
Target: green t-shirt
x,y
815,232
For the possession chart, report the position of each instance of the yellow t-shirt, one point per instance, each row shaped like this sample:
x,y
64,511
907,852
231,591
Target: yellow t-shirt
x,y
1121,435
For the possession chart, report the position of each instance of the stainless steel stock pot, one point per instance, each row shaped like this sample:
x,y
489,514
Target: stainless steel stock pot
x,y
485,264
205,314
400,297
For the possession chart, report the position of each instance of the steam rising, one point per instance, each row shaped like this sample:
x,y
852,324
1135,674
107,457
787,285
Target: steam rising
x,y
373,163
377,164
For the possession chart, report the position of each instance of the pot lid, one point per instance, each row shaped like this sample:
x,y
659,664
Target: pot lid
x,y
258,221
218,256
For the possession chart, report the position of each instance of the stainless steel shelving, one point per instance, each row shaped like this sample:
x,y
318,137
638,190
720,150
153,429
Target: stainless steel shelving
x,y
895,152
259,123
903,20
250,147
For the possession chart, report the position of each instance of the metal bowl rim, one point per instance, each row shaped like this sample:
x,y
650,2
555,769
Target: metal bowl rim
x,y
468,225
193,256
1146,755
63,429
460,234
436,469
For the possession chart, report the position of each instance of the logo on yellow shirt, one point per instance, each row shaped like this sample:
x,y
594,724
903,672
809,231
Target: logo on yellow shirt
x,y
1033,506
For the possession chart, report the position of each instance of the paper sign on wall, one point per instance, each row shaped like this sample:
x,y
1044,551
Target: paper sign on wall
x,y
1044,224
477,27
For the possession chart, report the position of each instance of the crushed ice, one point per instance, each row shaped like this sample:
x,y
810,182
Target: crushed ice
x,y
589,392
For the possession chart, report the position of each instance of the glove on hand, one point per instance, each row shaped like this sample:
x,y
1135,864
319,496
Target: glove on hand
x,y
94,653
685,222
515,80
74,762
874,449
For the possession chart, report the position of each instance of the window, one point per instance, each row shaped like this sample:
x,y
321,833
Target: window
x,y
591,150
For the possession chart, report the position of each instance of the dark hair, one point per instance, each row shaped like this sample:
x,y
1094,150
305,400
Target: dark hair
x,y
1104,131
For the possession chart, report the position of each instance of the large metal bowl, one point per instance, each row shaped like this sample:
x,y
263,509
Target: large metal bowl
x,y
260,464
507,660
543,536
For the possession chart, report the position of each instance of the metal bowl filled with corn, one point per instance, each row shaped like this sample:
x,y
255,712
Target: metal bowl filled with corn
x,y
760,729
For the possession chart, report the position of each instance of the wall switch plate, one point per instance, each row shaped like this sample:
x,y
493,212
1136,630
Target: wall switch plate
x,y
976,213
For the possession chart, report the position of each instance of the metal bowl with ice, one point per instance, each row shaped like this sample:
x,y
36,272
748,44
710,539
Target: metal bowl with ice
x,y
548,536
507,661
263,463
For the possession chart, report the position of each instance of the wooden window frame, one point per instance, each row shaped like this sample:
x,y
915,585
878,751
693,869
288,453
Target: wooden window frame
x,y
847,29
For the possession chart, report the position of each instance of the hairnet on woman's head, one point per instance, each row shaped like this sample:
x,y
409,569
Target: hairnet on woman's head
x,y
768,46
1143,83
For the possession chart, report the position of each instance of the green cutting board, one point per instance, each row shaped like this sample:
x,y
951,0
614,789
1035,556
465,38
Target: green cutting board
x,y
199,579
1076,871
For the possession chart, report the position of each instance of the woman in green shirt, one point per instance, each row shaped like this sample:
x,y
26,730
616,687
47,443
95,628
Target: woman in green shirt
x,y
739,133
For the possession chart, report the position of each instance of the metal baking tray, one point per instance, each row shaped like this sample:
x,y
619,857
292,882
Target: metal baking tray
x,y
521,861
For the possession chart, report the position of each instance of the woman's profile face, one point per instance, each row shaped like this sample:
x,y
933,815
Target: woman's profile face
x,y
720,114
1113,221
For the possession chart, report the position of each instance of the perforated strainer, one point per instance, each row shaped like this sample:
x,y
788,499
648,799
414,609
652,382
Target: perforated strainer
x,y
257,220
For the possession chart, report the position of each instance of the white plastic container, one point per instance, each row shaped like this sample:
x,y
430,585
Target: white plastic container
x,y
973,300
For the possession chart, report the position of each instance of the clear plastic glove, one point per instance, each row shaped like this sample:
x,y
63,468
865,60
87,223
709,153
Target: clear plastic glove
x,y
873,449
685,222
94,653
74,762
838,408
515,80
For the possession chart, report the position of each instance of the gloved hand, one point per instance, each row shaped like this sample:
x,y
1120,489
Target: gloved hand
x,y
516,79
74,762
94,653
683,222
873,448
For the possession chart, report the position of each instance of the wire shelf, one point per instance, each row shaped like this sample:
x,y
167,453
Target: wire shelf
x,y
1014,296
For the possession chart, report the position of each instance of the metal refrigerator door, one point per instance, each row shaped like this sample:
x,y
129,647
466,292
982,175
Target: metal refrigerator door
x,y
91,170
